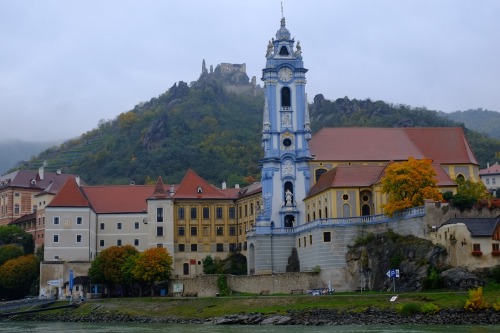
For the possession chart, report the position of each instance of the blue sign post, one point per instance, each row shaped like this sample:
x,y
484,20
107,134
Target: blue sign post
x,y
71,283
393,273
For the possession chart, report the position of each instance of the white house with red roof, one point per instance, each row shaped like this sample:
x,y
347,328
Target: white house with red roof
x,y
491,178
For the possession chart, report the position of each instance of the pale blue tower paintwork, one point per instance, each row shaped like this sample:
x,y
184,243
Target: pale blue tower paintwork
x,y
285,135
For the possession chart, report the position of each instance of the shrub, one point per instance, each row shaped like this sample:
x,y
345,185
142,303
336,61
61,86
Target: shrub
x,y
476,300
223,286
408,309
316,269
430,308
433,280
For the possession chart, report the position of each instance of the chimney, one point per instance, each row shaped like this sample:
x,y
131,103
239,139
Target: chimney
x,y
77,179
237,186
487,165
223,185
40,172
58,171
171,190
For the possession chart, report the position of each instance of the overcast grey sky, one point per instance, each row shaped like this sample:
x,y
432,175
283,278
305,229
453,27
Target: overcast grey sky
x,y
66,64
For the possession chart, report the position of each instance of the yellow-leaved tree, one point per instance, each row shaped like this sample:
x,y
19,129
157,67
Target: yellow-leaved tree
x,y
153,265
408,184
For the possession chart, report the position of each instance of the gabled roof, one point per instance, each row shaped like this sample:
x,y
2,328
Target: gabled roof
x,y
249,190
443,145
114,199
70,195
193,186
348,176
478,227
492,170
363,144
159,191
31,179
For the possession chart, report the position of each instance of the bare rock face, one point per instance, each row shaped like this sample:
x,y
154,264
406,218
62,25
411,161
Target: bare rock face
x,y
414,257
459,278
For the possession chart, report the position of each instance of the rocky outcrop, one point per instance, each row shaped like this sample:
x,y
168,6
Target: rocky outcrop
x,y
371,258
459,278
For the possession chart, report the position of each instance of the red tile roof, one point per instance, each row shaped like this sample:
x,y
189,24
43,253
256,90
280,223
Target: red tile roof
x,y
348,176
195,187
70,195
444,145
363,144
159,191
492,170
118,198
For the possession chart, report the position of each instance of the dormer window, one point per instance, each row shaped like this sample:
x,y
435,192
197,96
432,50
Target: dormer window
x,y
199,190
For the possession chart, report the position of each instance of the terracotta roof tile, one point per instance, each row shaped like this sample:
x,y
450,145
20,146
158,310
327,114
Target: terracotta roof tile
x,y
118,198
444,145
159,191
492,170
193,186
348,176
363,144
70,195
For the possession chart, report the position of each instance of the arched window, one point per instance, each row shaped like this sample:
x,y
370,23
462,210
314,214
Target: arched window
x,y
460,177
365,210
284,51
286,97
289,219
346,210
320,213
314,216
288,193
308,217
318,173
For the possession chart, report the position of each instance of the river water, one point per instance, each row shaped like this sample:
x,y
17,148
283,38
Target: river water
x,y
39,327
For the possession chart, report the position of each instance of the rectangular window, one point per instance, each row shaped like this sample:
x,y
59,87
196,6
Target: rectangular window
x,y
493,180
476,247
220,230
159,214
16,194
232,212
220,247
159,245
78,238
119,242
305,243
79,220
218,212
180,213
251,208
206,231
487,181
310,239
299,242
194,212
194,231
239,211
159,231
495,247
206,212
136,242
119,225
232,230
181,231
56,238
194,247
246,210
327,237
182,247
101,242
101,226
56,219
232,247
16,209
136,225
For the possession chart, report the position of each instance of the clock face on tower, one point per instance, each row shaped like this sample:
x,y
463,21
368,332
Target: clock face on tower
x,y
285,74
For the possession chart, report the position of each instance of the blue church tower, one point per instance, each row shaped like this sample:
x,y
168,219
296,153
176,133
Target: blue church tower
x,y
285,173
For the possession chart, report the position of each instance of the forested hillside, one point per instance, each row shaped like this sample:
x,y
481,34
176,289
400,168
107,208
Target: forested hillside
x,y
215,132
483,121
